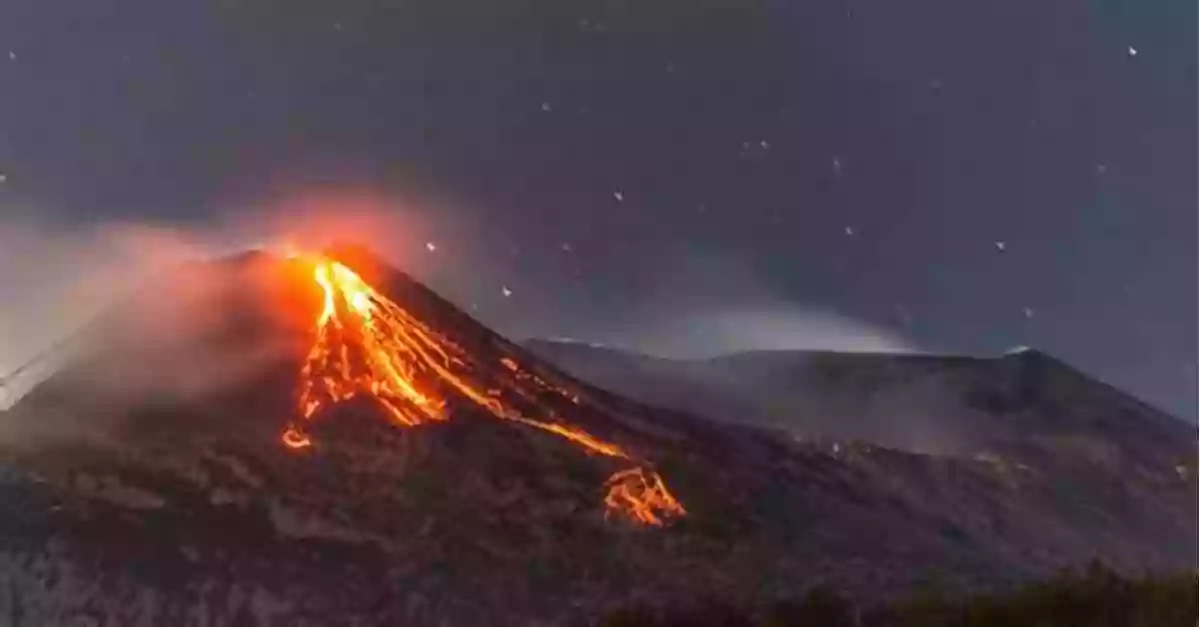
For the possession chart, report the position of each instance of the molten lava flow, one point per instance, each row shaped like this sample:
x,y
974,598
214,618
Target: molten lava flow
x,y
367,344
642,496
389,353
295,439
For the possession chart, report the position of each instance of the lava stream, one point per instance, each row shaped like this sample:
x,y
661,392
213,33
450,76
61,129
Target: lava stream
x,y
365,343
640,495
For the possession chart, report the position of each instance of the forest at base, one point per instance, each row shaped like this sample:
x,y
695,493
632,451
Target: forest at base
x,y
1094,596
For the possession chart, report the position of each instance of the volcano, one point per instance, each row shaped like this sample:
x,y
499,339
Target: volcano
x,y
320,439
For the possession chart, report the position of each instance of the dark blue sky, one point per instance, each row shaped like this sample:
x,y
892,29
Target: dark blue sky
x,y
861,158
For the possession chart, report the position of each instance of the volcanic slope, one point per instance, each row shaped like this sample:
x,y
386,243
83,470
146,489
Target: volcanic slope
x,y
177,472
1023,403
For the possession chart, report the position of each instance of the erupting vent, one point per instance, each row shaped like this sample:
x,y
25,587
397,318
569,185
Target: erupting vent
x,y
364,343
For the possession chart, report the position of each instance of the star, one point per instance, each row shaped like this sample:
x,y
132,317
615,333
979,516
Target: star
x,y
566,247
850,231
619,196
1027,311
547,107
1132,51
430,246
837,166
1001,246
504,290
12,56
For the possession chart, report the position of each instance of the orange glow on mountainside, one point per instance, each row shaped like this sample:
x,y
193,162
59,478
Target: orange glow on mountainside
x,y
366,344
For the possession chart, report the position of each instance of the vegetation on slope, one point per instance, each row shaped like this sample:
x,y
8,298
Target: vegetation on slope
x,y
1092,597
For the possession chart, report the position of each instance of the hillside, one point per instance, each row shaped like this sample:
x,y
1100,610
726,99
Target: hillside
x,y
152,480
946,405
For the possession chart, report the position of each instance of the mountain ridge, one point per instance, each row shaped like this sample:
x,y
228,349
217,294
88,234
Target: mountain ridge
x,y
183,507
1004,385
1023,353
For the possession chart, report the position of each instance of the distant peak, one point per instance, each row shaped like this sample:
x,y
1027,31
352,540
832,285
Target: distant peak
x,y
1028,353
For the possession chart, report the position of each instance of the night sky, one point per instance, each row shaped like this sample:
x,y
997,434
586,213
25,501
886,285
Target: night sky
x,y
679,176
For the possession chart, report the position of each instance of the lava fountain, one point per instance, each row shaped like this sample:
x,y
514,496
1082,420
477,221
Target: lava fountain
x,y
366,344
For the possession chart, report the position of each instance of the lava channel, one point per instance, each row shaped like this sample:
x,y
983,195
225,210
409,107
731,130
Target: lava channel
x,y
366,344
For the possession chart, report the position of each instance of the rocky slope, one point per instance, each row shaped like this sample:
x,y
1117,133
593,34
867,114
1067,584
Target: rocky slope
x,y
146,485
936,404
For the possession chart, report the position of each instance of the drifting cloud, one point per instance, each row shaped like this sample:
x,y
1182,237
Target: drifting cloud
x,y
695,304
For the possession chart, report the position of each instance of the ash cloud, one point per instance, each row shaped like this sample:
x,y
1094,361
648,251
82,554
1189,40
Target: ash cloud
x,y
53,279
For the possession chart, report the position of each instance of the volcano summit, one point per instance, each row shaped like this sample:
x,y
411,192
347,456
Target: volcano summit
x,y
322,440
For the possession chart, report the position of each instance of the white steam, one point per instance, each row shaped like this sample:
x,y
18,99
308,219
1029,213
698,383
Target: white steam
x,y
773,327
697,304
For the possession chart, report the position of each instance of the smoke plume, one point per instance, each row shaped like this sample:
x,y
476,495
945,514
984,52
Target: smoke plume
x,y
56,279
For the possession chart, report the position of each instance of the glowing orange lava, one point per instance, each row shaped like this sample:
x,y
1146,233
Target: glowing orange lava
x,y
295,439
366,344
640,495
